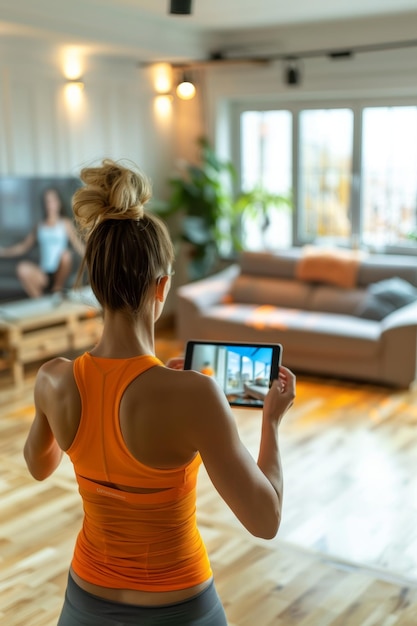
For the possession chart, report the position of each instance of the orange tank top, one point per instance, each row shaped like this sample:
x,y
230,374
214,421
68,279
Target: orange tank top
x,y
147,542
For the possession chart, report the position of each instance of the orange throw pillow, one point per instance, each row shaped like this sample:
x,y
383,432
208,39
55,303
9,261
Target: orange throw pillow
x,y
335,267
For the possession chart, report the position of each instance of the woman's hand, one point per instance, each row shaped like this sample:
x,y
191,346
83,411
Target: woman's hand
x,y
176,363
281,395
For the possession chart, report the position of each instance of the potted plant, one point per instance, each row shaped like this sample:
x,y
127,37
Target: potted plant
x,y
202,196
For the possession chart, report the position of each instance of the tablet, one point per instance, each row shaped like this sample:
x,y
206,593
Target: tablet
x,y
243,370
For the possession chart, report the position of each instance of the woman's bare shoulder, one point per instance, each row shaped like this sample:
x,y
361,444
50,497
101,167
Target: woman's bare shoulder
x,y
192,380
54,373
58,363
193,391
178,388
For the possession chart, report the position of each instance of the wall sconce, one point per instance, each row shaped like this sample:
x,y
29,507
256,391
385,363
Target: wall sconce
x,y
78,83
72,63
73,91
292,71
163,105
161,77
185,88
162,81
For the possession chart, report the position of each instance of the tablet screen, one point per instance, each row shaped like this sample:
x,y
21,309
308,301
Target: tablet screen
x,y
243,370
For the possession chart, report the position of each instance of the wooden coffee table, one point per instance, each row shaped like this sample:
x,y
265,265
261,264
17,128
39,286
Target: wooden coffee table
x,y
39,329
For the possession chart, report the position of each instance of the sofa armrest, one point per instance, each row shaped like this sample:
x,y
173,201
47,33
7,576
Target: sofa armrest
x,y
193,298
405,316
399,342
211,290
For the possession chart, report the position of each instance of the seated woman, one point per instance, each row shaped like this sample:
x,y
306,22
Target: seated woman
x,y
52,235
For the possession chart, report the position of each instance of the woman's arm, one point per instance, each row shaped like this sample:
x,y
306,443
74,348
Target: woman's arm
x,y
41,450
75,240
252,489
19,248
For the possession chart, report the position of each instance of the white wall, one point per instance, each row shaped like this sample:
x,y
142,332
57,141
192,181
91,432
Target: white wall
x,y
42,134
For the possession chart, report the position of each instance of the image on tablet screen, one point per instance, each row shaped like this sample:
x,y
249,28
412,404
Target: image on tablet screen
x,y
243,372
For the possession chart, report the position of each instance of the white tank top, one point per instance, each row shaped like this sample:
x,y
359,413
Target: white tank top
x,y
53,240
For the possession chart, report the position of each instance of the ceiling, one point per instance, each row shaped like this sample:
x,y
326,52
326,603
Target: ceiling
x,y
232,14
144,29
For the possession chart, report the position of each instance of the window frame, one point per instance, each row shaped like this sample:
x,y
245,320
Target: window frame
x,y
295,106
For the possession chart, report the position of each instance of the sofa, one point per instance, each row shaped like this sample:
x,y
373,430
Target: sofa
x,y
336,313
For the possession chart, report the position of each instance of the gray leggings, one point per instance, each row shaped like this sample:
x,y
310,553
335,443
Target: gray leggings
x,y
84,609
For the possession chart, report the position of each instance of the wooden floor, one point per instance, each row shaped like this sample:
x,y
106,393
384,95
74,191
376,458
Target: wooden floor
x,y
346,553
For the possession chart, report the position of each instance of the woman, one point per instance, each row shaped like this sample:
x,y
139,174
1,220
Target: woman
x,y
53,235
137,431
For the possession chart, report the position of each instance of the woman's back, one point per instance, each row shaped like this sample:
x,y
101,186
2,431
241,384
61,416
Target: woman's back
x,y
140,517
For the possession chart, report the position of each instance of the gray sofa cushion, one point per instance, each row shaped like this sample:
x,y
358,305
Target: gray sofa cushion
x,y
336,299
379,267
342,335
292,294
274,291
385,297
279,265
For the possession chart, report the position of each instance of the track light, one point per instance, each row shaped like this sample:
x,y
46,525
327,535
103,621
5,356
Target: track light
x,y
292,71
292,75
185,88
340,54
180,7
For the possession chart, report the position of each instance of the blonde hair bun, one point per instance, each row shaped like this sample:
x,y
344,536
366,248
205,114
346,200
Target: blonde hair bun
x,y
110,192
